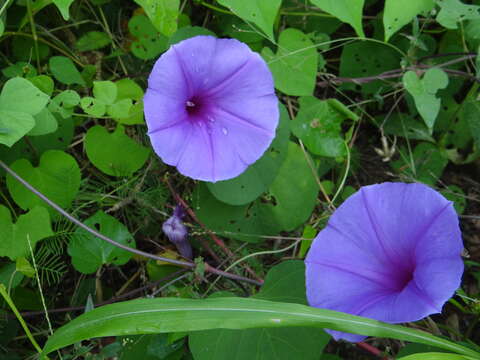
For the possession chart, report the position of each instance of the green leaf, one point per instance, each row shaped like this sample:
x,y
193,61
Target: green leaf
x,y
128,106
120,110
93,40
105,91
21,95
187,32
149,42
63,6
434,356
151,316
34,225
64,70
43,83
293,192
245,223
471,113
397,14
114,154
349,11
162,13
23,266
58,140
258,177
424,91
289,201
318,124
2,22
9,276
92,106
128,89
45,123
14,126
20,100
64,103
294,66
259,12
404,125
89,253
454,11
284,282
57,177
364,58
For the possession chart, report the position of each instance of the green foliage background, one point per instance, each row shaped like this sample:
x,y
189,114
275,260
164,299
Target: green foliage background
x,y
370,91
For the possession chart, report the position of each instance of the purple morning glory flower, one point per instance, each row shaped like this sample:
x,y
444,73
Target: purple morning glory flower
x,y
210,107
391,252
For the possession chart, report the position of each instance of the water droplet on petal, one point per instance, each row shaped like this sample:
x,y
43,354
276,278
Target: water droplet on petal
x,y
190,104
224,131
210,118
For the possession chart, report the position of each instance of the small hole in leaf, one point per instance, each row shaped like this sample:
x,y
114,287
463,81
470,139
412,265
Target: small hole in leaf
x,y
97,226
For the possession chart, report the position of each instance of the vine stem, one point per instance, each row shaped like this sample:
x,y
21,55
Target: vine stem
x,y
77,222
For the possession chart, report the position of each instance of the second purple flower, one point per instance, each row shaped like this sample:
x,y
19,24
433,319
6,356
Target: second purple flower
x,y
390,252
210,107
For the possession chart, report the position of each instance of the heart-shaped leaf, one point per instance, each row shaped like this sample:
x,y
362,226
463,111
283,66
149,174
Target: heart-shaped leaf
x,y
115,154
424,91
294,66
32,226
89,252
20,101
57,177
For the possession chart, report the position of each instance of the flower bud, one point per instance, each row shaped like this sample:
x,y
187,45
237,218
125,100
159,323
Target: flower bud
x,y
177,233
